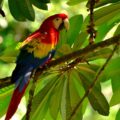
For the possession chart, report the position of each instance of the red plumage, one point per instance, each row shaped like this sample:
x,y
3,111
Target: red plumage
x,y
15,100
47,35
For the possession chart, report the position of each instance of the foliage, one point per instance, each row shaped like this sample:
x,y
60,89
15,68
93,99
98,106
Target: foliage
x,y
59,90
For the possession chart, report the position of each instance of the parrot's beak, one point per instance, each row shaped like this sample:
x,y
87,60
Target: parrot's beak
x,y
66,24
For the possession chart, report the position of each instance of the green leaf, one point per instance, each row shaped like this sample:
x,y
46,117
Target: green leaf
x,y
39,4
40,99
102,30
1,2
102,53
63,38
115,79
106,13
75,95
27,9
15,10
64,49
80,90
55,1
8,59
118,115
75,26
45,1
65,102
74,2
99,102
9,54
106,10
117,32
115,98
5,96
105,2
56,99
44,79
81,39
89,72
96,98
114,15
112,72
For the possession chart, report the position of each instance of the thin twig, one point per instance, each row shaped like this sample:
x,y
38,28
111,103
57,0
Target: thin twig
x,y
93,83
72,64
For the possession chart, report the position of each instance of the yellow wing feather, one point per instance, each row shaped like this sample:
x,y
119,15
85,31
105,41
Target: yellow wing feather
x,y
38,48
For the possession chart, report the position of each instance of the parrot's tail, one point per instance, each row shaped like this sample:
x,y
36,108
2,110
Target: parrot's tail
x,y
15,100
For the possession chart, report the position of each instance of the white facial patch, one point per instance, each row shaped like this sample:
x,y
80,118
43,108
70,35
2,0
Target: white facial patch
x,y
57,22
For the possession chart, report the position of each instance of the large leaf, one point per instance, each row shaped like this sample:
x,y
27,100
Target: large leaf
x,y
15,10
27,9
5,96
72,34
89,72
106,10
102,30
118,115
74,2
5,70
81,39
77,91
45,1
74,97
9,54
117,32
115,98
102,53
64,49
7,59
40,100
44,79
112,72
70,98
56,98
106,13
39,4
114,15
63,38
65,102
22,10
75,27
96,98
105,2
79,87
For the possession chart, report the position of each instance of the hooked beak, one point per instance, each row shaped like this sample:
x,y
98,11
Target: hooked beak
x,y
66,24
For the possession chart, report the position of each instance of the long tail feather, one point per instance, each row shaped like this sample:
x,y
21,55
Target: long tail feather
x,y
15,100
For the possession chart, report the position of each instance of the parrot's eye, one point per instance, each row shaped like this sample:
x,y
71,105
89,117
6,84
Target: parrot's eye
x,y
57,19
57,22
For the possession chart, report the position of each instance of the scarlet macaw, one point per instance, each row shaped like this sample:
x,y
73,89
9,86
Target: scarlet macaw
x,y
35,51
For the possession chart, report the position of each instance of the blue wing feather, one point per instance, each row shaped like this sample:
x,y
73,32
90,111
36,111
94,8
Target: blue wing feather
x,y
26,63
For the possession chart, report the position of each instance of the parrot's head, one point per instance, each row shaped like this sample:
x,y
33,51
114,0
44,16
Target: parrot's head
x,y
57,21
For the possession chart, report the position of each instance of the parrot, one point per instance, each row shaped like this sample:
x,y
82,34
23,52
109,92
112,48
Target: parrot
x,y
35,51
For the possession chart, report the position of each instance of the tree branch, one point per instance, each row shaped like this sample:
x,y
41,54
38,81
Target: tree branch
x,y
91,30
88,49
